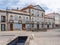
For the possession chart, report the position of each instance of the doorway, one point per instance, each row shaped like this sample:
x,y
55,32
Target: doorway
x,y
23,26
48,26
2,27
37,26
11,27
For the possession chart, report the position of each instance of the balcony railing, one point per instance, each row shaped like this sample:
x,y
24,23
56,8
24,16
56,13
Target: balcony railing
x,y
19,21
37,22
45,23
11,21
3,20
32,21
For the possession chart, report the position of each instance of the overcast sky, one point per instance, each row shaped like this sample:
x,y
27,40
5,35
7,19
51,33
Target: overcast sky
x,y
47,5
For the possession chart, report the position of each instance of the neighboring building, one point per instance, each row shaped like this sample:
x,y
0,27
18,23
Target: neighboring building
x,y
49,21
57,20
28,18
56,17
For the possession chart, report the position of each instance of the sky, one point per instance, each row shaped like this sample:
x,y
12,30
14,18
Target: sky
x,y
48,5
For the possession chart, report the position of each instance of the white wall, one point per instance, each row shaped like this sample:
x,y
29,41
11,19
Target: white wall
x,y
3,14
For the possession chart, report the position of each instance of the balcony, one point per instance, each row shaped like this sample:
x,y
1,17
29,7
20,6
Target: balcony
x,y
11,21
19,21
45,23
32,21
37,22
3,20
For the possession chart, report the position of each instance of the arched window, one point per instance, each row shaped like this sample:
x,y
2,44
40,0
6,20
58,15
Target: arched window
x,y
3,18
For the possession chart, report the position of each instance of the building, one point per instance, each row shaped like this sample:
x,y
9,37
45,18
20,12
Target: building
x,y
28,18
49,21
56,17
36,16
13,20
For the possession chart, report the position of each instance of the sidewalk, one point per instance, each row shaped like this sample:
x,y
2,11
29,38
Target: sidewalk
x,y
40,38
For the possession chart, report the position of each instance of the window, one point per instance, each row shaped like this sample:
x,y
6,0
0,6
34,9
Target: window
x,y
27,19
32,11
16,18
3,18
2,27
37,13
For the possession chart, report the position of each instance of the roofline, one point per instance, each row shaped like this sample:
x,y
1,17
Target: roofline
x,y
27,7
9,11
40,7
52,13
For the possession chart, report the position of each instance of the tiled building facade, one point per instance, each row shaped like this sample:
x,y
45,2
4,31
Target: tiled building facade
x,y
28,18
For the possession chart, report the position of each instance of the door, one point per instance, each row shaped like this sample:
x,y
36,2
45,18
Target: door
x,y
48,26
11,27
37,26
2,27
23,26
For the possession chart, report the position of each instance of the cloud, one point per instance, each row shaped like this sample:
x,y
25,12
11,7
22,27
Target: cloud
x,y
47,5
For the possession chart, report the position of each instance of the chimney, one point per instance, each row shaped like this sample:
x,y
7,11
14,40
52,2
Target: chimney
x,y
17,8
